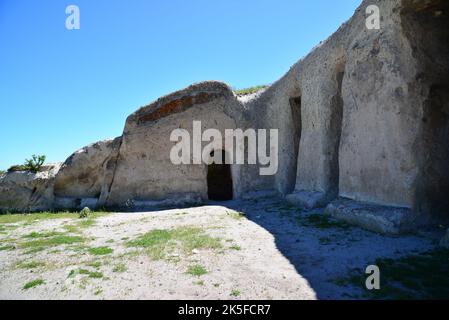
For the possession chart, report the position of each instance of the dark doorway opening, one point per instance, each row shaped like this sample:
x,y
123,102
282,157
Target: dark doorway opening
x,y
219,180
295,105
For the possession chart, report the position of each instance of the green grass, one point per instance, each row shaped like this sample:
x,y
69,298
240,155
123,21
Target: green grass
x,y
245,91
99,251
97,292
90,274
30,265
72,228
52,241
321,221
30,217
196,270
86,223
236,215
7,247
120,267
96,274
235,293
94,264
36,235
33,284
81,224
417,276
235,247
34,250
158,243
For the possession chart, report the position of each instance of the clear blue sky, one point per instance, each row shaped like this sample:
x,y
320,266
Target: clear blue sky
x,y
61,90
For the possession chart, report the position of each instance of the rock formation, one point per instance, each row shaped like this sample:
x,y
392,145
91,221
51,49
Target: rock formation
x,y
363,126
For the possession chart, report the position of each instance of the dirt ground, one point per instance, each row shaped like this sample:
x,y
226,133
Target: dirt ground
x,y
258,249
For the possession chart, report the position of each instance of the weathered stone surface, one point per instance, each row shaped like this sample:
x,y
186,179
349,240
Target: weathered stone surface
x,y
26,191
308,200
364,116
381,219
374,110
87,174
144,170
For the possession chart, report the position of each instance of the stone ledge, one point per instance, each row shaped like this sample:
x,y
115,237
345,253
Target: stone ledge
x,y
308,199
377,218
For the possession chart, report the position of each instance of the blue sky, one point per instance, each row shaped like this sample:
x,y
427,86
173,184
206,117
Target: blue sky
x,y
61,90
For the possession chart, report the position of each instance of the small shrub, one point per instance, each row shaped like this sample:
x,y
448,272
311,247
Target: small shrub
x,y
85,213
2,172
34,164
196,270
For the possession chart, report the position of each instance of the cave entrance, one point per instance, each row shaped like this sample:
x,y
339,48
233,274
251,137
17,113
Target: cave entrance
x,y
219,180
295,106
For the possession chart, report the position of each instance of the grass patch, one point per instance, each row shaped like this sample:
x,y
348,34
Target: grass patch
x,y
235,247
100,251
120,267
86,223
96,274
158,243
90,274
99,291
245,91
71,228
36,235
236,215
94,264
34,250
235,293
31,217
196,270
7,247
52,241
417,276
30,265
33,284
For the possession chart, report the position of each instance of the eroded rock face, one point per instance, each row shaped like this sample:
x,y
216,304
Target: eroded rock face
x,y
26,191
144,170
86,176
374,111
364,117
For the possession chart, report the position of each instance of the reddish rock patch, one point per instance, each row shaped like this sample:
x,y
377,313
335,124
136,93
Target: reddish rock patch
x,y
178,105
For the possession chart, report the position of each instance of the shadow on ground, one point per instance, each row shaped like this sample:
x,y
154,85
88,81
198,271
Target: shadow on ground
x,y
330,255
